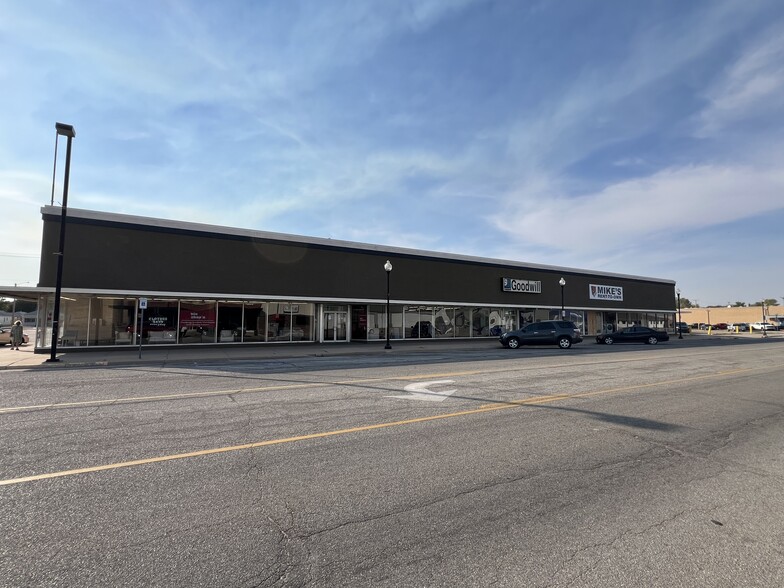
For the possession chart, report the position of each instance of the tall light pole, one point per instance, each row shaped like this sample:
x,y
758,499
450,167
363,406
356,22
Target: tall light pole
x,y
65,131
388,269
764,330
680,318
562,283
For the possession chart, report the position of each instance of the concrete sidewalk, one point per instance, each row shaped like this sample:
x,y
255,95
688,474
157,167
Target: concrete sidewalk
x,y
184,354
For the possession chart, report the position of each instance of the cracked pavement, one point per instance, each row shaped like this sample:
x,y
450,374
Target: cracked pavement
x,y
661,467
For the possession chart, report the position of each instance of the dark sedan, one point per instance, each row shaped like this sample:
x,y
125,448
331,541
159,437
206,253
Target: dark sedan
x,y
633,335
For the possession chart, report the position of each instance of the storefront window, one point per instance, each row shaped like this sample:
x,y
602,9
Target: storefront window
x,y
411,318
75,315
255,322
376,322
359,322
544,314
502,320
611,322
635,318
577,317
508,320
480,322
278,322
462,321
419,322
444,322
112,320
160,322
396,321
526,317
43,337
303,320
291,321
197,322
653,320
229,322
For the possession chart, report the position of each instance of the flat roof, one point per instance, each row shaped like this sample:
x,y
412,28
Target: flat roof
x,y
146,222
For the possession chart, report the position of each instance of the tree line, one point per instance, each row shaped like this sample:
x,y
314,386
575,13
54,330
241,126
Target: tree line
x,y
21,305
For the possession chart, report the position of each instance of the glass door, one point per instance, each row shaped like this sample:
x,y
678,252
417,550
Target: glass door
x,y
335,324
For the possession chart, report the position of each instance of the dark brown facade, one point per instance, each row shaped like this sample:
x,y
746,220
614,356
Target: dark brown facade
x,y
108,252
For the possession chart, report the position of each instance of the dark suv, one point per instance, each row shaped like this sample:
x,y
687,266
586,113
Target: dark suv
x,y
561,333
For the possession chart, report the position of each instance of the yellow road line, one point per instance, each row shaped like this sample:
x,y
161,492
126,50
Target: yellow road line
x,y
163,458
481,409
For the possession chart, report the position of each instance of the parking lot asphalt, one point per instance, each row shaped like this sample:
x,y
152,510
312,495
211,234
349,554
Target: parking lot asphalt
x,y
26,357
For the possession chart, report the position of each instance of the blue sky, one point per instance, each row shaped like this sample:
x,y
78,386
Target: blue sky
x,y
631,137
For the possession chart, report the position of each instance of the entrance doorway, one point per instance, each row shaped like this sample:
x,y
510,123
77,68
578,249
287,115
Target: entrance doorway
x,y
335,324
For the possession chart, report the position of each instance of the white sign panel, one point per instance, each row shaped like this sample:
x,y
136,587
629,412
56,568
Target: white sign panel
x,y
600,292
528,286
142,303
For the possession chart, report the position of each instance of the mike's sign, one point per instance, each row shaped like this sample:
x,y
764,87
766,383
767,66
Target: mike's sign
x,y
529,286
605,292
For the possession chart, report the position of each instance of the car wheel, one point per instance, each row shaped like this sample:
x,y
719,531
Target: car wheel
x,y
513,343
564,342
608,341
652,340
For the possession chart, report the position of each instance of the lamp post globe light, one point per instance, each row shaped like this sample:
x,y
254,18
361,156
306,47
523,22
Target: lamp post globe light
x,y
388,269
69,132
680,320
562,283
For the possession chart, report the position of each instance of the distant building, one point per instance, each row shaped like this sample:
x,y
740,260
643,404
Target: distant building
x,y
7,319
733,314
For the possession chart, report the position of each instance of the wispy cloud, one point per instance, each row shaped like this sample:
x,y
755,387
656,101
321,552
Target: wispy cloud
x,y
753,87
642,209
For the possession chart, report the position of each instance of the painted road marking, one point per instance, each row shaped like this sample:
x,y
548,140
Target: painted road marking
x,y
209,393
421,391
483,409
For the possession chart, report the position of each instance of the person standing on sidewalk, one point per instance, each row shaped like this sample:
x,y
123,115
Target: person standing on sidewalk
x,y
17,335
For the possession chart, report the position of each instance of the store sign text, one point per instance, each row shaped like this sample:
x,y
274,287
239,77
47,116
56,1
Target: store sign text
x,y
529,286
605,292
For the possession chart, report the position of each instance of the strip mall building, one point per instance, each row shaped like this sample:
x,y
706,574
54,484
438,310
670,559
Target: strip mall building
x,y
213,285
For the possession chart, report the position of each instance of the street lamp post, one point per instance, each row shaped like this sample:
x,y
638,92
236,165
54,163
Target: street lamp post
x,y
66,131
388,269
680,318
764,330
562,283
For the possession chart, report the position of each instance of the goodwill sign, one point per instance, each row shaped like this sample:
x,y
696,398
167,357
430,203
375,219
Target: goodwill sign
x,y
530,286
605,292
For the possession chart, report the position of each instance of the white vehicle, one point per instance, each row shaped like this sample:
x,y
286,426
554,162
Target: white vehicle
x,y
5,337
763,327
